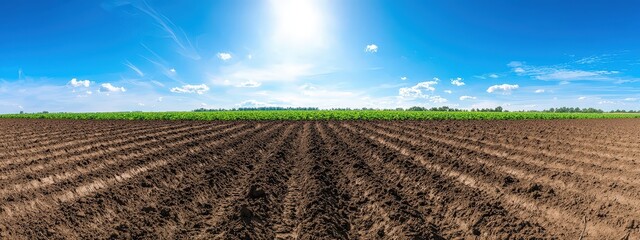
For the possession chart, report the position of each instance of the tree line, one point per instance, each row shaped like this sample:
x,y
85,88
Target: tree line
x,y
418,108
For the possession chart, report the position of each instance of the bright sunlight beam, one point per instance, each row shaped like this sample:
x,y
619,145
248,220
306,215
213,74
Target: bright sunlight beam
x,y
301,23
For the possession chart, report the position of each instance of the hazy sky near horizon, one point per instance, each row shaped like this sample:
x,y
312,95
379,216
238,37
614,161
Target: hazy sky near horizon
x,y
89,56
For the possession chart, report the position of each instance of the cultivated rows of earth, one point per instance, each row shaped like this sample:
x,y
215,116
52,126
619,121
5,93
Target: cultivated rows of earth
x,y
320,179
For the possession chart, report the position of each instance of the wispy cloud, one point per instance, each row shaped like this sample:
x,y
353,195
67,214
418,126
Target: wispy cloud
x,y
502,88
485,76
199,89
589,60
539,91
372,48
561,72
179,37
134,68
403,78
162,65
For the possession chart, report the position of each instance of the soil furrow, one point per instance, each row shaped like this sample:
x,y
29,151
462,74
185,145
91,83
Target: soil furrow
x,y
386,211
459,215
79,138
551,214
325,213
33,165
177,201
150,183
286,226
97,165
579,156
42,135
591,200
558,163
258,196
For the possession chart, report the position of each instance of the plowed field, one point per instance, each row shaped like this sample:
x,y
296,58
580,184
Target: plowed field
x,y
562,179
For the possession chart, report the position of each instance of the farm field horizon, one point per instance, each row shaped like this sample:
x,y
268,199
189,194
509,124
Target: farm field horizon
x,y
448,179
268,115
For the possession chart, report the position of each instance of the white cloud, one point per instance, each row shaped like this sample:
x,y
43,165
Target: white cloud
x,y
582,98
249,84
564,82
448,91
173,70
519,70
159,99
426,85
437,99
224,56
504,88
458,82
107,87
199,89
372,48
411,92
81,83
417,91
539,91
462,98
403,78
631,99
605,102
493,75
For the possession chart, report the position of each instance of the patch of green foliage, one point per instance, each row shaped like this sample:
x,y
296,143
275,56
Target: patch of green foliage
x,y
321,115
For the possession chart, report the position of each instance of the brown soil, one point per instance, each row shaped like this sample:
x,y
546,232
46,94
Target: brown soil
x,y
549,179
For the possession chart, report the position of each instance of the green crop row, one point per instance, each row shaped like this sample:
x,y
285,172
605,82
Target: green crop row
x,y
319,115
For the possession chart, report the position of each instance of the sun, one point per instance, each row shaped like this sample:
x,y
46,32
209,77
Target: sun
x,y
299,22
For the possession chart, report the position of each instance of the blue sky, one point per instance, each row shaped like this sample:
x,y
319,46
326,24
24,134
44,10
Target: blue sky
x,y
87,56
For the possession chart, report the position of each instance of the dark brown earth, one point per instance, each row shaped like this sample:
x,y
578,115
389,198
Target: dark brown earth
x,y
549,179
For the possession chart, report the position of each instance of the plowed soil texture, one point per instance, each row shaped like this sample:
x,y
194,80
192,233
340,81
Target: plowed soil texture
x,y
531,179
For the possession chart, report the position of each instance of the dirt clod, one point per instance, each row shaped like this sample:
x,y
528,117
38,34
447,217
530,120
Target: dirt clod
x,y
256,192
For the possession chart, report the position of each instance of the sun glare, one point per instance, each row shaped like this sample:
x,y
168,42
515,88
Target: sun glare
x,y
299,22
